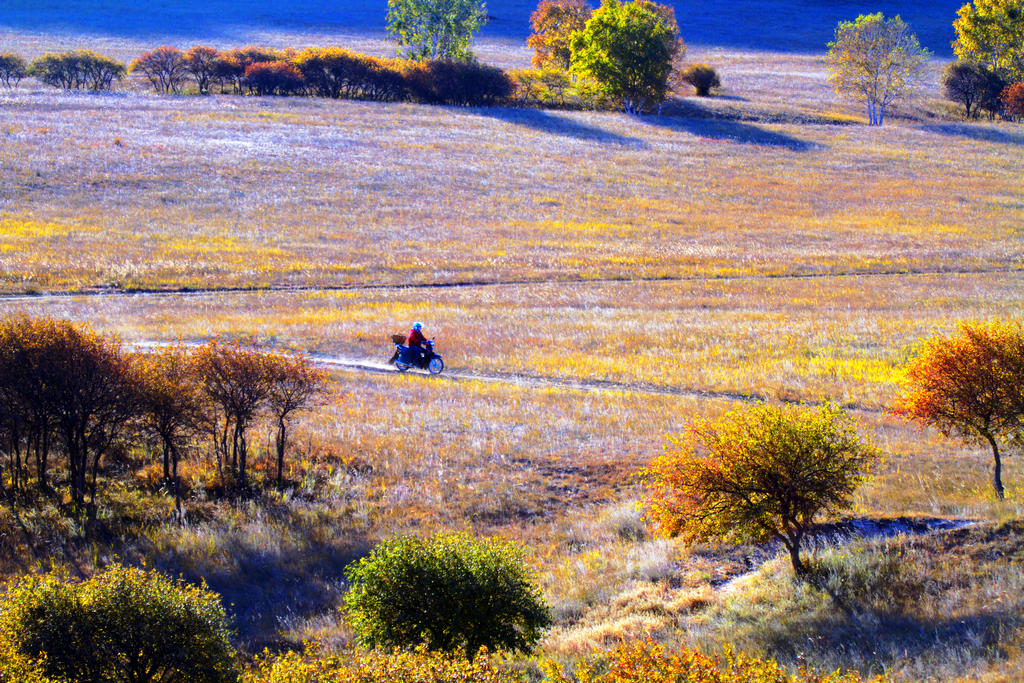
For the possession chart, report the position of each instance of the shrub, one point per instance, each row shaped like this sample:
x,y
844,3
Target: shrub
x,y
1013,100
971,385
272,78
380,667
125,624
293,384
762,473
446,593
702,77
645,660
12,69
334,72
77,70
458,83
545,87
972,85
164,67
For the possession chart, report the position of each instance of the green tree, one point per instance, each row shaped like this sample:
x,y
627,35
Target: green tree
x,y
992,32
435,29
627,49
125,625
875,58
759,473
447,593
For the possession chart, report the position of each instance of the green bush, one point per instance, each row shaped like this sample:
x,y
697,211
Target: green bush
x,y
125,624
447,592
467,84
12,69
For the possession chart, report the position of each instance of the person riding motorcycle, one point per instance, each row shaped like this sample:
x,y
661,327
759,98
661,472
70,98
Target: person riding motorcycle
x,y
416,342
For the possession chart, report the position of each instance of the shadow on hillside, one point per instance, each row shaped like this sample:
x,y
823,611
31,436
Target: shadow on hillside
x,y
556,124
977,132
729,130
268,585
880,640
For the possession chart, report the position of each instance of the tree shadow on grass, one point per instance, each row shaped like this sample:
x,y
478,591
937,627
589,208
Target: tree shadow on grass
x,y
560,125
729,130
978,132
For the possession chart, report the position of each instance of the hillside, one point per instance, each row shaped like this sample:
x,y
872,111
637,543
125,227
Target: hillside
x,y
595,282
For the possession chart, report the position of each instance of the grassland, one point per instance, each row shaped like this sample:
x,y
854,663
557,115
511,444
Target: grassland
x,y
764,244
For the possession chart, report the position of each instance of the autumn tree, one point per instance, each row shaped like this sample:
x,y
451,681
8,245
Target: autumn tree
x,y
172,410
435,29
877,59
164,68
758,473
627,48
973,85
12,69
234,380
553,23
201,64
992,32
272,78
294,384
971,385
1012,99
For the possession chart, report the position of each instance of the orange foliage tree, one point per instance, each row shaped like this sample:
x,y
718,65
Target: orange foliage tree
x,y
553,23
971,385
1013,100
756,474
294,384
164,67
172,407
201,64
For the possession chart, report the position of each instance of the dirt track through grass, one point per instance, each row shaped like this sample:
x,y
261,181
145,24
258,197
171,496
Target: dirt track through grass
x,y
194,291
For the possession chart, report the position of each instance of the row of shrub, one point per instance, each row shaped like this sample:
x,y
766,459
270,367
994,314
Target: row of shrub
x,y
330,72
978,88
128,624
72,400
318,72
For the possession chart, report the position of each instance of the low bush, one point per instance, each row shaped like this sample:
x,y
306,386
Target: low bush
x,y
648,661
702,77
12,69
78,70
458,83
447,593
379,667
125,624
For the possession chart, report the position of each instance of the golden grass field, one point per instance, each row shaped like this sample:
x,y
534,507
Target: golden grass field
x,y
765,244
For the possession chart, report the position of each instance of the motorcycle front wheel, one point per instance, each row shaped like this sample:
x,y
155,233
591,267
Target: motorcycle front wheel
x,y
436,365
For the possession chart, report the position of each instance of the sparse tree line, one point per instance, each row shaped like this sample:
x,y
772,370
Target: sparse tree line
x,y
73,402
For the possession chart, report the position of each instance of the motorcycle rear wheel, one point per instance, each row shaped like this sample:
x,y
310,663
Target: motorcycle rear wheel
x,y
436,365
401,367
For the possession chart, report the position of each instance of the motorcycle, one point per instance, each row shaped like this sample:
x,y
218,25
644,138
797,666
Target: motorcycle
x,y
405,357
